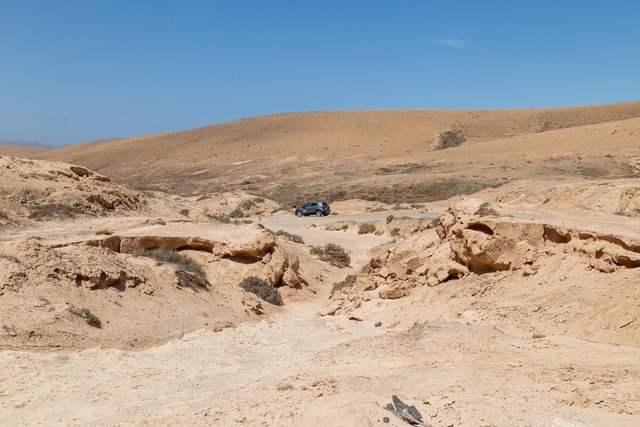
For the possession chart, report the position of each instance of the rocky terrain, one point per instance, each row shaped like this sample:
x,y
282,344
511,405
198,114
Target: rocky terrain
x,y
189,296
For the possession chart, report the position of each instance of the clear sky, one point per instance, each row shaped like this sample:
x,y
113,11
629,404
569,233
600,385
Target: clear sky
x,y
73,71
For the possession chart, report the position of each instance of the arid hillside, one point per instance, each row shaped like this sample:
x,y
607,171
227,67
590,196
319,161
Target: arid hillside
x,y
387,155
19,150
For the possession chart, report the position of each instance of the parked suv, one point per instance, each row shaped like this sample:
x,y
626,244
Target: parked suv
x,y
313,208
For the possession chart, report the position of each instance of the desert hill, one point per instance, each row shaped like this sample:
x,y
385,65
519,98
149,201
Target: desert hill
x,y
342,154
21,148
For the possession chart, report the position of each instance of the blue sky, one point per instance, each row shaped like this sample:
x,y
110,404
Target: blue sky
x,y
73,71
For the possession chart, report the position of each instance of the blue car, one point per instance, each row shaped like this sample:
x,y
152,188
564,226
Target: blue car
x,y
313,208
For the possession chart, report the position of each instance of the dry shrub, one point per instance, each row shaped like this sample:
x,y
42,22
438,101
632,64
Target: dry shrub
x,y
395,232
262,289
390,218
347,282
485,209
104,232
450,137
10,258
90,318
10,330
247,204
236,213
53,211
333,254
539,124
184,212
171,256
366,228
289,236
220,218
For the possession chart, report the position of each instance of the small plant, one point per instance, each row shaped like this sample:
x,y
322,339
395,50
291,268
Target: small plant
x,y
451,137
345,227
537,336
262,289
236,213
316,250
247,204
10,258
90,318
366,228
333,254
292,237
540,124
485,209
104,232
53,211
220,218
347,282
10,330
174,257
395,232
184,212
390,218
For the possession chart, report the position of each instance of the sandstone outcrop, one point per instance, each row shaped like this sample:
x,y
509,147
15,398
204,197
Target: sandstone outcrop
x,y
42,191
464,243
279,268
256,247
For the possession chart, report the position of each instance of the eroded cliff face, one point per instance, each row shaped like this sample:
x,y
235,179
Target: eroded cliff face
x,y
535,269
44,191
134,291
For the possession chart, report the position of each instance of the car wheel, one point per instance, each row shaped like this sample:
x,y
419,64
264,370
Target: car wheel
x,y
298,213
318,213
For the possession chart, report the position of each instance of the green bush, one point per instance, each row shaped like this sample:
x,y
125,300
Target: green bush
x,y
262,289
